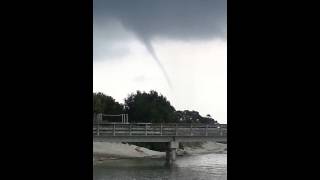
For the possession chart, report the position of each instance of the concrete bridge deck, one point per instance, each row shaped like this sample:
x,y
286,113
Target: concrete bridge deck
x,y
173,133
158,138
147,132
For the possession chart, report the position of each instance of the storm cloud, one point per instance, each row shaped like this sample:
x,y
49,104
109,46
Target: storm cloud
x,y
173,19
186,20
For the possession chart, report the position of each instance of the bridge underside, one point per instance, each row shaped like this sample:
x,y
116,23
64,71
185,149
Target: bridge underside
x,y
158,139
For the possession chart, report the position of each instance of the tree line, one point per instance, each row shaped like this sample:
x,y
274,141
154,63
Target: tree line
x,y
147,107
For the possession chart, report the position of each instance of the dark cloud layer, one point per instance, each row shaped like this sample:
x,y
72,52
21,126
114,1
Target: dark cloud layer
x,y
174,19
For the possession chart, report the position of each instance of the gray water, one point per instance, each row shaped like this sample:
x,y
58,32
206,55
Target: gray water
x,y
195,167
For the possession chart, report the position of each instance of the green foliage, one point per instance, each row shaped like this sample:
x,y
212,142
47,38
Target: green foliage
x,y
106,104
149,107
193,117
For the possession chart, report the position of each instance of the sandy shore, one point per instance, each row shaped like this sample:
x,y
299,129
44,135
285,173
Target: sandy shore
x,y
105,151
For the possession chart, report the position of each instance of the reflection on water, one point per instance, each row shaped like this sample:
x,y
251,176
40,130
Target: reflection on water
x,y
196,167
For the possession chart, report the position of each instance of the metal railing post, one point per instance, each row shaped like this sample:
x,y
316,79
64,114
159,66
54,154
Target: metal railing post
x,y
121,118
220,131
161,129
206,129
99,119
114,129
176,129
146,133
190,129
98,128
130,129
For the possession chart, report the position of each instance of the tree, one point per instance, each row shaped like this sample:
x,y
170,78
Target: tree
x,y
106,104
208,120
149,107
187,116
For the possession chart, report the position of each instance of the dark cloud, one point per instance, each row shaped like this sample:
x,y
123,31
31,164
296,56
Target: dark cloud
x,y
174,19
109,40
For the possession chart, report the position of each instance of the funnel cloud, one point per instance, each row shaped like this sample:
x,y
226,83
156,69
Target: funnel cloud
x,y
186,20
155,57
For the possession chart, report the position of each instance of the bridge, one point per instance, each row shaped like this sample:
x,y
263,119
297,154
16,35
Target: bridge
x,y
172,133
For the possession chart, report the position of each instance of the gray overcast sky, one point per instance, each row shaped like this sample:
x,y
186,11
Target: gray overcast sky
x,y
176,47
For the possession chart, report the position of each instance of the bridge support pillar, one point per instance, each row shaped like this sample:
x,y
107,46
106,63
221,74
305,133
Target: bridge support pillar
x,y
171,152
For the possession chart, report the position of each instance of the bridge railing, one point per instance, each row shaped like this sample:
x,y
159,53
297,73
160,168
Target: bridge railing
x,y
159,129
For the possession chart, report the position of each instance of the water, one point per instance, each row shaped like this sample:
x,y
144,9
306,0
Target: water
x,y
195,167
